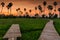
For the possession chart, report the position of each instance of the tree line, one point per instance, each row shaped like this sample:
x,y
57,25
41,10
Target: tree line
x,y
39,7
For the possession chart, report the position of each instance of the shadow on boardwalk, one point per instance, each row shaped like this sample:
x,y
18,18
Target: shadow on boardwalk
x,y
49,32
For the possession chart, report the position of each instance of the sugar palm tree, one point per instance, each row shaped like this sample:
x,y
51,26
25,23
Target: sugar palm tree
x,y
35,9
50,7
43,16
27,15
40,8
36,15
21,12
30,10
59,12
2,4
17,9
55,4
9,6
24,9
44,3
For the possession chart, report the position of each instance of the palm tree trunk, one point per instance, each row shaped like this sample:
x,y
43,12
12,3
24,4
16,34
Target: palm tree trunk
x,y
17,12
10,11
35,11
55,9
49,11
44,9
25,13
40,13
1,9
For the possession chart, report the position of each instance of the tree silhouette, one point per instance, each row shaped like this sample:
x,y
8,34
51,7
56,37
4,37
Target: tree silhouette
x,y
40,8
9,6
55,4
55,16
44,3
21,12
50,15
36,15
2,6
24,9
59,12
50,7
27,15
17,9
30,10
43,16
35,8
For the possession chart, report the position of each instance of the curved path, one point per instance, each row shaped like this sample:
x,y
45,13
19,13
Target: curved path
x,y
49,32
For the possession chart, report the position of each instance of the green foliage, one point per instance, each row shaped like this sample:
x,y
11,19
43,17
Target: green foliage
x,y
57,25
33,35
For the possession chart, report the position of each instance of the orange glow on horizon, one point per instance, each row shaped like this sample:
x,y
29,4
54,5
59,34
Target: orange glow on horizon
x,y
28,5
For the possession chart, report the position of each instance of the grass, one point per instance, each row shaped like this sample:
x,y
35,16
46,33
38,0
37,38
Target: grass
x,y
57,25
30,28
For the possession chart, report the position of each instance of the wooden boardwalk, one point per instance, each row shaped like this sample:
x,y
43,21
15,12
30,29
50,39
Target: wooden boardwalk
x,y
49,32
13,32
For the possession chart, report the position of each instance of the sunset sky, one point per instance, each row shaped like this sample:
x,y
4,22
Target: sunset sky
x,y
28,4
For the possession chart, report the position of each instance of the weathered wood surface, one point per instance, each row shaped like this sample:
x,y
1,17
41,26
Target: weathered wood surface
x,y
49,32
13,32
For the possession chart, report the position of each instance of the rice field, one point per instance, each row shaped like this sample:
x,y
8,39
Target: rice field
x,y
30,28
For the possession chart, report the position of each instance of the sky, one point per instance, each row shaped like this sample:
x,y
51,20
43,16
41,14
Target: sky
x,y
28,4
